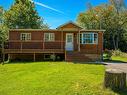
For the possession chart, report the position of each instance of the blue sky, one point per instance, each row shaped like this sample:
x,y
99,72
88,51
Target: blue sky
x,y
57,12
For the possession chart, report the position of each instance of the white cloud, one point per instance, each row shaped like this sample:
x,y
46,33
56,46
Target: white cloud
x,y
48,7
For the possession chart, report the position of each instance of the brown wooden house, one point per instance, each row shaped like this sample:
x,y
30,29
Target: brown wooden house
x,y
69,42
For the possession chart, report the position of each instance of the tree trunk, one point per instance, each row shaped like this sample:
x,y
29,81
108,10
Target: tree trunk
x,y
114,43
115,79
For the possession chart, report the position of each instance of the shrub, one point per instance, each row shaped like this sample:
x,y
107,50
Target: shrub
x,y
119,53
107,54
53,57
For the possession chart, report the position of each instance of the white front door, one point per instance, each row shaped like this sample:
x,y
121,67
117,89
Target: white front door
x,y
69,41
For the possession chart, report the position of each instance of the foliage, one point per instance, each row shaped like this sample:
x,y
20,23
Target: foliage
x,y
3,33
111,17
3,28
52,78
119,53
53,57
115,56
107,55
22,14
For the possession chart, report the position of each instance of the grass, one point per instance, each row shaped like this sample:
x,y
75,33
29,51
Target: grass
x,y
52,78
119,58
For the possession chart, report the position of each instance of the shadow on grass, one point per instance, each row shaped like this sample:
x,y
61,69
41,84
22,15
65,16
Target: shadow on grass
x,y
91,63
29,62
121,92
18,62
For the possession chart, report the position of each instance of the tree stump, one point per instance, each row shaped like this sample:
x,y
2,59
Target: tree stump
x,y
115,79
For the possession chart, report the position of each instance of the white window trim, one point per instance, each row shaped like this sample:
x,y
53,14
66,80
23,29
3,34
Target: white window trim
x,y
25,39
49,40
93,38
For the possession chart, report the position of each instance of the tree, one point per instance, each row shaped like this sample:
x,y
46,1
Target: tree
x,y
22,14
109,17
120,12
3,27
3,31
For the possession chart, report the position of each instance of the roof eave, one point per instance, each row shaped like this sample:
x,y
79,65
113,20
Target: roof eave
x,y
68,23
33,30
93,30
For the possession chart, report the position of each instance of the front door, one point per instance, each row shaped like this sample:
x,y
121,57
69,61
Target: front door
x,y
69,41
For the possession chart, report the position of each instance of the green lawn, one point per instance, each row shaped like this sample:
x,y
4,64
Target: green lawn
x,y
119,58
52,78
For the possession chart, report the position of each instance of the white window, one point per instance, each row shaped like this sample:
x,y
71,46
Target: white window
x,y
89,38
49,37
25,36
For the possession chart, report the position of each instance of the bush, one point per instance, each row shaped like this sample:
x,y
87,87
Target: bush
x,y
119,53
107,54
53,57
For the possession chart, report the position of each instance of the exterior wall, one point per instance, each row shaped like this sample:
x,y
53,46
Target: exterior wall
x,y
93,48
82,57
37,39
30,56
21,56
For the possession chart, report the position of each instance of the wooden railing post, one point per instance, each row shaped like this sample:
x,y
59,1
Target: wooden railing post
x,y
79,41
34,57
21,46
65,55
43,45
62,40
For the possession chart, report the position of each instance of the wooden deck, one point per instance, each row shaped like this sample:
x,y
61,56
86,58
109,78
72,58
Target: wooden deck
x,y
33,51
34,47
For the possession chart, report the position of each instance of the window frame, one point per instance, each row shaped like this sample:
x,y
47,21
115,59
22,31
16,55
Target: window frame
x,y
26,35
93,37
50,35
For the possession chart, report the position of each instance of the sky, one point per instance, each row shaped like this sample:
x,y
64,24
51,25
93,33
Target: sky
x,y
57,12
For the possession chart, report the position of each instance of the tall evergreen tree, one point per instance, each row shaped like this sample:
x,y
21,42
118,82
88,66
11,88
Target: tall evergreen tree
x,y
23,14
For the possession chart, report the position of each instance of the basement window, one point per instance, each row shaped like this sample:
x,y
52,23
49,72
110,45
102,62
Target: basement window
x,y
47,56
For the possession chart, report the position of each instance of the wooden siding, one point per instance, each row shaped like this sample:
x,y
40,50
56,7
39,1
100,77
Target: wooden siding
x,y
37,41
82,57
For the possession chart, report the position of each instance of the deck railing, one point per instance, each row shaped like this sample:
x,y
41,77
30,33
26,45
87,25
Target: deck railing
x,y
34,46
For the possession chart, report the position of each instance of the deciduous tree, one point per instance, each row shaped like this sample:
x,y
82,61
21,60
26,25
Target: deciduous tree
x,y
111,17
23,14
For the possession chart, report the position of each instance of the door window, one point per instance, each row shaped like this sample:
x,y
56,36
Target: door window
x,y
69,38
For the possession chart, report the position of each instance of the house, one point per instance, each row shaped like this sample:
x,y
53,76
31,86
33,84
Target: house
x,y
69,42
